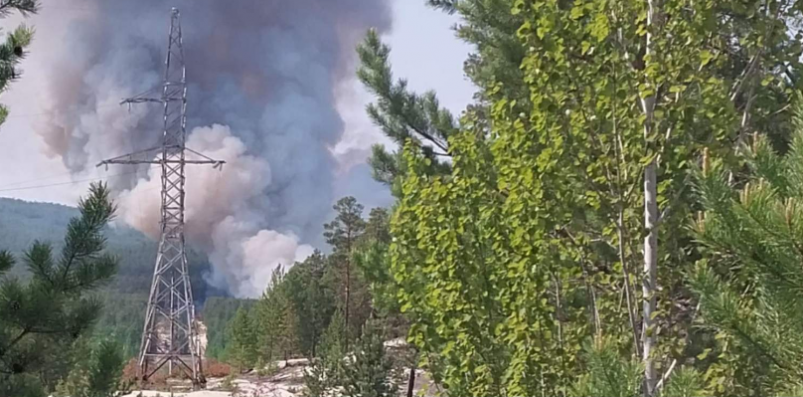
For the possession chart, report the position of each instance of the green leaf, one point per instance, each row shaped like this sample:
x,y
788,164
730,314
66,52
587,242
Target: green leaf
x,y
705,57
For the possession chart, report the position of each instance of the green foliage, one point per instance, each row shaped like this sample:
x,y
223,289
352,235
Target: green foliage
x,y
608,374
125,295
749,284
311,299
217,313
242,335
685,382
530,243
347,226
277,321
369,373
402,115
298,306
373,262
491,29
325,373
99,375
26,222
121,320
12,51
343,234
41,317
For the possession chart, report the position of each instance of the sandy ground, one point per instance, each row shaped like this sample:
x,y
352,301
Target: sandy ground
x,y
287,381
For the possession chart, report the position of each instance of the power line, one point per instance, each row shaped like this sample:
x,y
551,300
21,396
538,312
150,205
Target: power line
x,y
35,180
12,115
68,183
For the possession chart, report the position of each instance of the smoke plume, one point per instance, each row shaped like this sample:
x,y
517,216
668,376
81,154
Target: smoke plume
x,y
262,78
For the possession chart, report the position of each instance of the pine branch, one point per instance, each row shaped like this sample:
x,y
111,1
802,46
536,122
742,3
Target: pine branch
x,y
399,110
6,261
448,6
84,239
24,7
40,262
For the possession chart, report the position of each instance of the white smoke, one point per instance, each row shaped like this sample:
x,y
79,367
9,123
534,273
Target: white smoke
x,y
251,257
220,216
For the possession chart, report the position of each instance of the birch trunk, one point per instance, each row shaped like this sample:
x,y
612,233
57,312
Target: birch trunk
x,y
649,278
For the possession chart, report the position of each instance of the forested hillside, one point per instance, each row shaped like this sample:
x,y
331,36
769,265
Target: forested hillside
x,y
126,295
22,223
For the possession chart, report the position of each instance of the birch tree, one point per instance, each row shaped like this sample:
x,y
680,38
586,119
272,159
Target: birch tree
x,y
568,195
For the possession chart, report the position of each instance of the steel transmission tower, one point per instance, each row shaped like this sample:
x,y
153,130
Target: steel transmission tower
x,y
170,334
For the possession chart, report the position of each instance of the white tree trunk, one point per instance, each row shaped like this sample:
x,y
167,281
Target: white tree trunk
x,y
649,277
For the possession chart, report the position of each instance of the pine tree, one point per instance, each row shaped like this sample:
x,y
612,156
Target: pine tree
x,y
242,346
326,371
311,301
269,317
342,234
39,318
368,372
607,374
610,373
288,330
99,375
12,51
749,281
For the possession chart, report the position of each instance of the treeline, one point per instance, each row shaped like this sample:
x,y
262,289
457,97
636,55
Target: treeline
x,y
333,294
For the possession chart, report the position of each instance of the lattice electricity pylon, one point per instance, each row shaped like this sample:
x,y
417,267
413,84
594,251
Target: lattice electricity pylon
x,y
170,334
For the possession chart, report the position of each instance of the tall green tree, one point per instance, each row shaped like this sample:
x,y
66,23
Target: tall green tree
x,y
373,262
326,370
342,234
242,351
12,51
42,316
312,301
278,320
369,372
270,317
217,313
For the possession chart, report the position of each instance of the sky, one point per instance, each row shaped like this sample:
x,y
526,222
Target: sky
x,y
424,51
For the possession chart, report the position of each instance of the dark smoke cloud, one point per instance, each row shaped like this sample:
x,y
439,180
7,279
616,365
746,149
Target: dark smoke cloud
x,y
262,77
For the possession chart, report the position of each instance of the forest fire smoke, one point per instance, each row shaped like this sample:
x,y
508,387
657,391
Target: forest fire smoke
x,y
262,78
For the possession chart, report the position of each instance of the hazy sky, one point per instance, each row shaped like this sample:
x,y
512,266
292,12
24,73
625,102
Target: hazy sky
x,y
425,52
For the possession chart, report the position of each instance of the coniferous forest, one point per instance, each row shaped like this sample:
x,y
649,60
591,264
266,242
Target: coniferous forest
x,y
618,212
